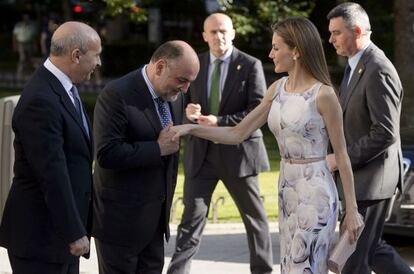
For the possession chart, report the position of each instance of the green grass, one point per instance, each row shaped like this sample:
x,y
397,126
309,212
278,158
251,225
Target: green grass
x,y
8,92
227,212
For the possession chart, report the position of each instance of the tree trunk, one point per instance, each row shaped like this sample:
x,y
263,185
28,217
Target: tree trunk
x,y
404,55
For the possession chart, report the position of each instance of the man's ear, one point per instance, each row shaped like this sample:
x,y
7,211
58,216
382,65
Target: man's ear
x,y
160,66
357,31
232,34
204,36
75,56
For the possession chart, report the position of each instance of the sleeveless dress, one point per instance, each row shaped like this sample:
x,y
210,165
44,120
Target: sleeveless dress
x,y
308,199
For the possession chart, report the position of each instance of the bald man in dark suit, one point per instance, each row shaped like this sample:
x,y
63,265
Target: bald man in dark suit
x,y
46,223
137,161
223,99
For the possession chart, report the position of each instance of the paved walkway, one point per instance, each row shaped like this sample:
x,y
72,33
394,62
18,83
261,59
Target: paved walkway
x,y
223,251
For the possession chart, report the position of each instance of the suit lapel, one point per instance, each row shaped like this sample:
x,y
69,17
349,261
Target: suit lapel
x,y
149,107
89,129
67,103
232,76
204,64
355,77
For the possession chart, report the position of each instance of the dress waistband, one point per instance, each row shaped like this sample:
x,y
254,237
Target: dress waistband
x,y
302,160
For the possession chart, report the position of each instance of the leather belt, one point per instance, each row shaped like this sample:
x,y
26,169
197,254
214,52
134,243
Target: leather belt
x,y
303,160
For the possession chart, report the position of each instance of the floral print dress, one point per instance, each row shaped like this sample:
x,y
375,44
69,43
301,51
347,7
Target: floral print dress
x,y
308,199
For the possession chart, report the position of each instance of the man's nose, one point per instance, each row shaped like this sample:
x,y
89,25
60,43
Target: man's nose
x,y
219,35
99,62
185,87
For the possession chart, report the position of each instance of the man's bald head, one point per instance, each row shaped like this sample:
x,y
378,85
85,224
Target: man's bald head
x,y
75,50
218,17
173,66
71,35
218,33
173,50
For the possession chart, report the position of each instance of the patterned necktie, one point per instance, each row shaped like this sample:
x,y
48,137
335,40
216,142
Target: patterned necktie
x,y
163,112
78,107
344,84
214,100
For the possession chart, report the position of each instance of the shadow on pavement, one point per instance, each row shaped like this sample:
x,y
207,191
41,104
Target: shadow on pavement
x,y
231,248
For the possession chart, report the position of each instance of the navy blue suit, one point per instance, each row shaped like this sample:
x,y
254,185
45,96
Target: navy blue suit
x,y
49,200
134,184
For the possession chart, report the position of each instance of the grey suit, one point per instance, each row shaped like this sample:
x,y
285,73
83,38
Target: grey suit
x,y
205,163
371,113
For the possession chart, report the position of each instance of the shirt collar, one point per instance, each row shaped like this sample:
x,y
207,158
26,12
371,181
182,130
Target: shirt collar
x,y
353,61
148,82
62,77
225,58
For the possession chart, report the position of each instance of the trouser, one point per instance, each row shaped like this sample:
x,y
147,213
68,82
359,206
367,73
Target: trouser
x,y
197,198
116,259
21,265
372,252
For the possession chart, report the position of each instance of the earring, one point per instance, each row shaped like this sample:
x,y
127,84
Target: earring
x,y
294,58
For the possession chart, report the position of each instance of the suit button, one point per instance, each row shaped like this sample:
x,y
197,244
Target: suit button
x,y
162,198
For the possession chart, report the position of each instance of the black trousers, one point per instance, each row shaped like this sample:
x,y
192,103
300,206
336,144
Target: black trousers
x,y
116,259
197,197
21,265
372,252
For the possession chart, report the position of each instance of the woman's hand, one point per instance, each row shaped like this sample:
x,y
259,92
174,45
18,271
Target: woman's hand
x,y
181,130
353,223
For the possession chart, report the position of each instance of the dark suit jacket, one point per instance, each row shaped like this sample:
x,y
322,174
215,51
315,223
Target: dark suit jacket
x,y
371,113
133,184
49,200
244,88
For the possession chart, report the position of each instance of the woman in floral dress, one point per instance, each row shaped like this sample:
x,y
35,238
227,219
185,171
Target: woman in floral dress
x,y
304,114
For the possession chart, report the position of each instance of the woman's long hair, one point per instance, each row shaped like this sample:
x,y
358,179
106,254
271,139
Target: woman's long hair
x,y
301,33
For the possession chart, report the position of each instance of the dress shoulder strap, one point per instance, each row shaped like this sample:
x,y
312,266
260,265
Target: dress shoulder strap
x,y
279,86
316,88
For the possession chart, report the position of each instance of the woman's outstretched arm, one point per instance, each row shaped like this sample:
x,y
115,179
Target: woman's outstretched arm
x,y
232,135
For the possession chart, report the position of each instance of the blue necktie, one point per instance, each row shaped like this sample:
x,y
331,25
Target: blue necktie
x,y
344,84
78,107
163,112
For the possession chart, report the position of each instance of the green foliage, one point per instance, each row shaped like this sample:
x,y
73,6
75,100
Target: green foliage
x,y
254,17
129,8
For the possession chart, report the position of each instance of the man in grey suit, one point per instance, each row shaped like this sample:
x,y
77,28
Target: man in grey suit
x,y
370,95
229,85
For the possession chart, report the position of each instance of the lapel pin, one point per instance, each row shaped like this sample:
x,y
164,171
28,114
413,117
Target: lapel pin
x,y
360,71
238,67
